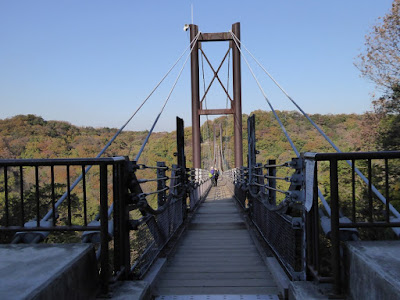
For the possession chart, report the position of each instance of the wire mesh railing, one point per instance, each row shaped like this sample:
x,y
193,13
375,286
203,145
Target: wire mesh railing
x,y
274,207
272,195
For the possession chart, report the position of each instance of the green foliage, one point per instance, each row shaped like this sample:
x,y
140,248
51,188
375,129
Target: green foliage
x,y
387,108
33,137
380,60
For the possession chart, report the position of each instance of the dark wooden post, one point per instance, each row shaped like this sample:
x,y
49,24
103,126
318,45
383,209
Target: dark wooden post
x,y
194,67
237,98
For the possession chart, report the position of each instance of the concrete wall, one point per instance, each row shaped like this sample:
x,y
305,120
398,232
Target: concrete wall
x,y
374,269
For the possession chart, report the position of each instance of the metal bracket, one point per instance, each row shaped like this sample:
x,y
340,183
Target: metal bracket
x,y
297,223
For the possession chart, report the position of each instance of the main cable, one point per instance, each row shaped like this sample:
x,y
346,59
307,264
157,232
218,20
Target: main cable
x,y
205,102
359,173
266,98
324,202
75,183
166,101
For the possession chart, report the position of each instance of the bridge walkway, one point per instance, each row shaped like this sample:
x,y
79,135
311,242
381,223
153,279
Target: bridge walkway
x,y
216,255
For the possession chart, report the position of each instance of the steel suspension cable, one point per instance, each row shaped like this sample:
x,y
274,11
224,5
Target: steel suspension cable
x,y
205,102
359,173
166,101
323,200
75,183
226,119
158,116
266,98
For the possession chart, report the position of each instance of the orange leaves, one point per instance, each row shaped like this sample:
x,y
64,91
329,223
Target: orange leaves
x,y
380,60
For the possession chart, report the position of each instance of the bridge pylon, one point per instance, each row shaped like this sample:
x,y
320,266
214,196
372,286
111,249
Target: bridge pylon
x,y
236,99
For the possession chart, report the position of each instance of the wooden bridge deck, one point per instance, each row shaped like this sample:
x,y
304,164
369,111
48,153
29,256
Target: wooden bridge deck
x,y
216,255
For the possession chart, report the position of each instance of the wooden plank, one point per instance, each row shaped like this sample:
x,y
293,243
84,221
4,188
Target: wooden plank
x,y
219,264
217,219
216,255
232,282
213,260
215,231
224,200
217,290
218,275
213,268
211,200
229,241
212,242
217,226
215,247
195,254
217,210
231,235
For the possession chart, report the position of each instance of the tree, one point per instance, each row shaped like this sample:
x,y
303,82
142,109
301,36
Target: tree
x,y
380,61
388,107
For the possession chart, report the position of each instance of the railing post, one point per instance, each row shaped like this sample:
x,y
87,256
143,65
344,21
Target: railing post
x,y
161,183
260,178
121,220
180,145
312,230
251,153
104,272
335,226
271,181
198,181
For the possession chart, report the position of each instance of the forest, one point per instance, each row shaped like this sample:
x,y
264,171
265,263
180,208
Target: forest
x,y
30,136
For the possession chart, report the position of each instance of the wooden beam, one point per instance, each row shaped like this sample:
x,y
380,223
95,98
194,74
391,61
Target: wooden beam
x,y
216,111
216,36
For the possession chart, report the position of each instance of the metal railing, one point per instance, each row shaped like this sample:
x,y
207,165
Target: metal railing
x,y
158,212
274,202
31,187
354,205
200,186
279,222
291,217
152,208
120,213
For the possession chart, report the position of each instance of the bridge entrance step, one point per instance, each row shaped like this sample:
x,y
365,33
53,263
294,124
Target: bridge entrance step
x,y
46,271
216,257
374,269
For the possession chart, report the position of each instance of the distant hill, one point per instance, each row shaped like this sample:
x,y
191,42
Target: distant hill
x,y
30,136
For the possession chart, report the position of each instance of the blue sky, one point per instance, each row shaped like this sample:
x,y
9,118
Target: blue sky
x,y
92,62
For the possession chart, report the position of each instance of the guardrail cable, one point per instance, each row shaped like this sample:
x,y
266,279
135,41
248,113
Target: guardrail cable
x,y
166,101
237,41
50,213
359,173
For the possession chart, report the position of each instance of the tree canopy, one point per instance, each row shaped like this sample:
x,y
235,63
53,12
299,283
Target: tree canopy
x,y
380,60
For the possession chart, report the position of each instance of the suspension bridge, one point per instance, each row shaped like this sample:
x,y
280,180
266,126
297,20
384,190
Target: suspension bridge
x,y
265,230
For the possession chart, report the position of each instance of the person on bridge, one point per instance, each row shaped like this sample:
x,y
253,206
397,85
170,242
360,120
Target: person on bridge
x,y
212,176
216,175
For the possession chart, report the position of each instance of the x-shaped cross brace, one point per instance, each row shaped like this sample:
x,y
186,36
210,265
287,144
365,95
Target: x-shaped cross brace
x,y
215,75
